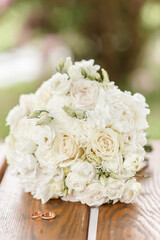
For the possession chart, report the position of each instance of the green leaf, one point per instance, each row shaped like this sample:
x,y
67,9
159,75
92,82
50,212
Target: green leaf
x,y
110,202
36,114
68,63
83,72
143,175
148,148
72,112
65,192
103,180
44,120
113,175
105,75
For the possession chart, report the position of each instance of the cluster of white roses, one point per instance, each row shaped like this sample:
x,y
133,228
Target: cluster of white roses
x,y
78,137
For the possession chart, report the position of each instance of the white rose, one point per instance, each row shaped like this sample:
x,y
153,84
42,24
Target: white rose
x,y
75,181
84,94
93,194
75,71
81,174
114,165
105,143
133,162
84,169
131,190
65,150
114,188
43,136
59,84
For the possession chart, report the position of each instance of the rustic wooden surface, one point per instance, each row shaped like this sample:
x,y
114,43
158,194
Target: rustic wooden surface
x,y
3,163
16,208
139,221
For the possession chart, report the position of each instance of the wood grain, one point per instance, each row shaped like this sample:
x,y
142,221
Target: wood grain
x,y
16,208
138,221
3,163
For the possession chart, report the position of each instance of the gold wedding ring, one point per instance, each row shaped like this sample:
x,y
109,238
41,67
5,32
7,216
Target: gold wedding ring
x,y
36,215
48,215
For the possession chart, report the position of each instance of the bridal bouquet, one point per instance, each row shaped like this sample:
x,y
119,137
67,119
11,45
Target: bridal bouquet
x,y
78,137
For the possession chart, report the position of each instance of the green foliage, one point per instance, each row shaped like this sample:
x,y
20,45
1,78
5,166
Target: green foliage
x,y
9,98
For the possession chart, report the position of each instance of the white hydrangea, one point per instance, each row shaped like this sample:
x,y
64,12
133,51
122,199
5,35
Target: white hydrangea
x,y
78,137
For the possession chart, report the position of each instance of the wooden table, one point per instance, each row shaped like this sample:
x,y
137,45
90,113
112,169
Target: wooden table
x,y
74,221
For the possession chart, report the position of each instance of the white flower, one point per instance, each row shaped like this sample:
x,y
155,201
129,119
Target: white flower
x,y
127,112
82,130
88,66
105,143
46,158
131,190
25,161
114,188
43,95
114,165
84,94
135,137
25,145
75,71
43,136
59,84
133,162
19,152
15,115
49,191
85,169
65,150
26,106
28,102
93,194
81,174
73,196
10,148
78,137
99,117
56,103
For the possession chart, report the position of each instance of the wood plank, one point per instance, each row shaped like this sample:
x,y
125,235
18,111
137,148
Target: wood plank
x,y
16,208
140,220
3,163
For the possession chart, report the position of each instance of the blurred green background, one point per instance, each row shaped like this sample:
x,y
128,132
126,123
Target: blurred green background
x,y
122,36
